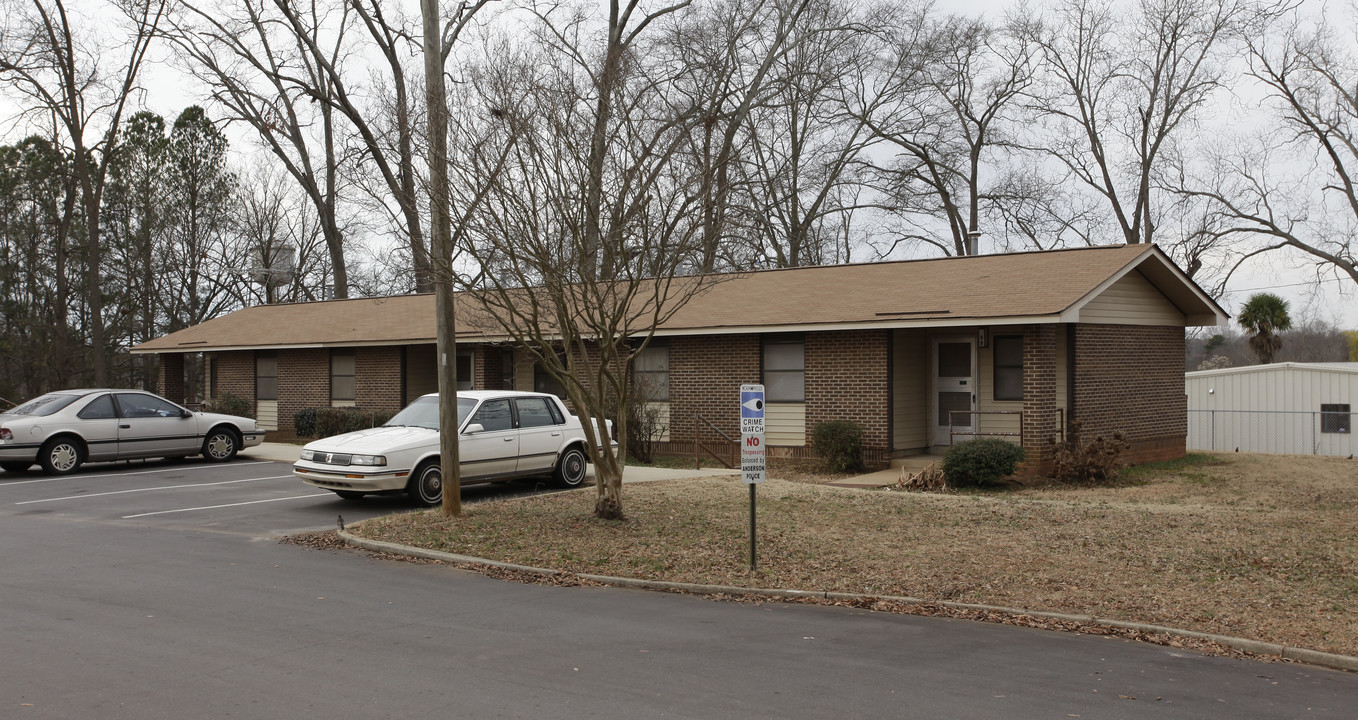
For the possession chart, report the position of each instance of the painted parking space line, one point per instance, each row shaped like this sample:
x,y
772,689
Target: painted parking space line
x,y
216,507
152,489
5,484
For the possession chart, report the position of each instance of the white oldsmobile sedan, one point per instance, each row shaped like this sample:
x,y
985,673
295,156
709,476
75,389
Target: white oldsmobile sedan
x,y
64,429
502,435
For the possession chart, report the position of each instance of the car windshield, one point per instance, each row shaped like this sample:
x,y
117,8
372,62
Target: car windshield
x,y
45,405
424,413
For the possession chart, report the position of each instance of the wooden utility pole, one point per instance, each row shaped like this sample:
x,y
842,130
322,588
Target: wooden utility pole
x,y
442,265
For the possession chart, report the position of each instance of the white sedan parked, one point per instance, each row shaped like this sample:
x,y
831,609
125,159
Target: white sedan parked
x,y
61,430
502,435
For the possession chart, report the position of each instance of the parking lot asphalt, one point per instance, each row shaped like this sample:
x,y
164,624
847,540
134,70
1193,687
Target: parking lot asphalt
x,y
154,589
251,495
255,494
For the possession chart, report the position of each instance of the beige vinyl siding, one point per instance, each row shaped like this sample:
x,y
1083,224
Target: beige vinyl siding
x,y
422,373
910,391
1133,300
266,414
523,371
661,412
785,424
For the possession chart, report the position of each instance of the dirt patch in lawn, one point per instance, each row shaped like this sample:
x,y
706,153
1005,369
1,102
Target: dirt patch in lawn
x,y
1254,546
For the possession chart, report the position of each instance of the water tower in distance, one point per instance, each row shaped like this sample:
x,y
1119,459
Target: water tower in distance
x,y
278,271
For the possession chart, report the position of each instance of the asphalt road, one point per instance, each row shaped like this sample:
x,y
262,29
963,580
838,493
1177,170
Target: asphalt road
x,y
160,591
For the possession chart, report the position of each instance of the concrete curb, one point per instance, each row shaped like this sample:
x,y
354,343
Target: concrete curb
x,y
1256,647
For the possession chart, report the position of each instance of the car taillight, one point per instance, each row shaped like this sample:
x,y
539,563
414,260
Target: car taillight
x,y
5,434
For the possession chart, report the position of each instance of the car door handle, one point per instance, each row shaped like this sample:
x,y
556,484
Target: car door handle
x,y
509,439
556,434
124,427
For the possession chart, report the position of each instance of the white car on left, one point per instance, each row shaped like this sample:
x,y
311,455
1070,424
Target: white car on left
x,y
64,429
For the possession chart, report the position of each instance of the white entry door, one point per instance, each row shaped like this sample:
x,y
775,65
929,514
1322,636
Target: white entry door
x,y
954,389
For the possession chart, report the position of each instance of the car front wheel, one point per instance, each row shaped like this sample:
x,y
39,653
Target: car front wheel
x,y
60,456
570,469
220,445
426,485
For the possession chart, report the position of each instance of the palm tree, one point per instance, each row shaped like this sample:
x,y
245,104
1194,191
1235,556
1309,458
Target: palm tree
x,y
1264,316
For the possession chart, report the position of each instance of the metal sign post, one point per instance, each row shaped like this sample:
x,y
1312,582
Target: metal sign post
x,y
752,457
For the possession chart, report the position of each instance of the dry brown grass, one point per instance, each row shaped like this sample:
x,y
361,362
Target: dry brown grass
x,y
1254,546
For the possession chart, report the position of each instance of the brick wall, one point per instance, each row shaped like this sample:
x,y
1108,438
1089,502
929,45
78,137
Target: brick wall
x,y
377,379
705,378
304,382
1131,378
236,374
171,377
1040,416
847,379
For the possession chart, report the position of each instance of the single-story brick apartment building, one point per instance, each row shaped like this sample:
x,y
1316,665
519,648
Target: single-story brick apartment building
x,y
1015,345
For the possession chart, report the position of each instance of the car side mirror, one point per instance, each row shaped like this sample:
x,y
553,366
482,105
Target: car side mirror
x,y
474,428
185,413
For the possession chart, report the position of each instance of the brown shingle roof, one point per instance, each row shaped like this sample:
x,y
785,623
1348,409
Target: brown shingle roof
x,y
1018,287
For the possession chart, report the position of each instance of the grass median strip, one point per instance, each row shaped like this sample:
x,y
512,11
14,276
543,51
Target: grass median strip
x,y
1253,546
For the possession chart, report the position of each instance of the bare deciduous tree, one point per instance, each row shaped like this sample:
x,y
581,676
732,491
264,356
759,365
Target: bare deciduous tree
x,y
64,73
583,214
1295,187
270,76
1122,88
801,165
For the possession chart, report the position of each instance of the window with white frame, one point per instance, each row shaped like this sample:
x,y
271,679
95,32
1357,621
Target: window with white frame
x,y
784,369
651,374
1008,351
343,368
266,375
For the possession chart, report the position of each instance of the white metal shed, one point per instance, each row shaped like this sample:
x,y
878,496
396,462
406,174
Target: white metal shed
x,y
1286,408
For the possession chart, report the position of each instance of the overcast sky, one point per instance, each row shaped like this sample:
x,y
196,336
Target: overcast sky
x,y
1291,276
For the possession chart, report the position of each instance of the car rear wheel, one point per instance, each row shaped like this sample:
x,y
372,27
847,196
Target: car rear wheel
x,y
349,495
570,469
221,445
15,466
60,456
426,485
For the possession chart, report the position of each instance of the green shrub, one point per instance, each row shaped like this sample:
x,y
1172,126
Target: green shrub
x,y
233,405
1076,461
840,444
304,423
338,420
981,461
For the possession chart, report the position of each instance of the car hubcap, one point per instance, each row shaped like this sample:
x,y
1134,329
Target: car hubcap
x,y
433,484
219,446
575,468
63,457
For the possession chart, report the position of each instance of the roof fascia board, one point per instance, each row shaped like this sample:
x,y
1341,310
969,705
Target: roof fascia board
x,y
678,332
